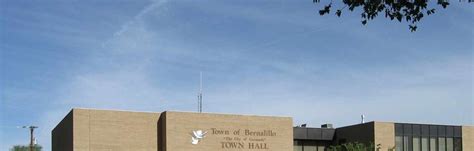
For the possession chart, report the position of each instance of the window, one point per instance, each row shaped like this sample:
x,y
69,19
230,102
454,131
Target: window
x,y
450,131
399,143
407,143
433,144
433,130
457,144
310,146
424,144
407,129
425,130
297,146
321,148
449,144
441,130
457,131
416,144
421,137
441,144
398,129
416,130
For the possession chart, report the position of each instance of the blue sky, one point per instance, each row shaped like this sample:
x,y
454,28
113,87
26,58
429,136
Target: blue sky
x,y
257,57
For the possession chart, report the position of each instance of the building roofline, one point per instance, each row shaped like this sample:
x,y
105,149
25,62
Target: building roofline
x,y
233,114
124,110
436,124
121,110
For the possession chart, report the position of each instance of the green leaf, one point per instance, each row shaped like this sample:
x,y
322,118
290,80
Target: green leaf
x,y
412,28
321,12
338,13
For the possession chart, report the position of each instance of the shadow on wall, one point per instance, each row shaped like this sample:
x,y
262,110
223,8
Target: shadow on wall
x,y
161,132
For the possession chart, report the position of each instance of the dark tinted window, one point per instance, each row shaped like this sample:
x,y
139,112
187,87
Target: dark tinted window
x,y
457,131
433,130
441,130
425,130
457,144
449,131
407,129
416,130
398,129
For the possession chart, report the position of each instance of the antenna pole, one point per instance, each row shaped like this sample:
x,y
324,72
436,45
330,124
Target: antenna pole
x,y
200,93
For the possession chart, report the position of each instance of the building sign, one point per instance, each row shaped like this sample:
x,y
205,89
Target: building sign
x,y
197,136
243,138
216,132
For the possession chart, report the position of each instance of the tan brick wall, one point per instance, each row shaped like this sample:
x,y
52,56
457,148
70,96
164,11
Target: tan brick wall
x,y
468,138
179,128
101,130
81,131
385,135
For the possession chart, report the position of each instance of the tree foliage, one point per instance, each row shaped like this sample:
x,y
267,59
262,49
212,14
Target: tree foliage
x,y
411,11
356,146
26,148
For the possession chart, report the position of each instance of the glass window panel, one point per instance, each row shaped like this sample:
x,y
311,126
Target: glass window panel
x,y
433,144
310,146
449,144
433,130
441,144
425,130
416,144
441,130
399,143
450,131
398,129
321,148
457,131
407,129
416,130
407,143
457,144
297,146
424,144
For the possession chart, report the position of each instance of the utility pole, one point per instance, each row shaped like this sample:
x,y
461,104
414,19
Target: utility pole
x,y
32,138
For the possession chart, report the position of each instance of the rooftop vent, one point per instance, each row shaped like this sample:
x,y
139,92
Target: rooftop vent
x,y
326,126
